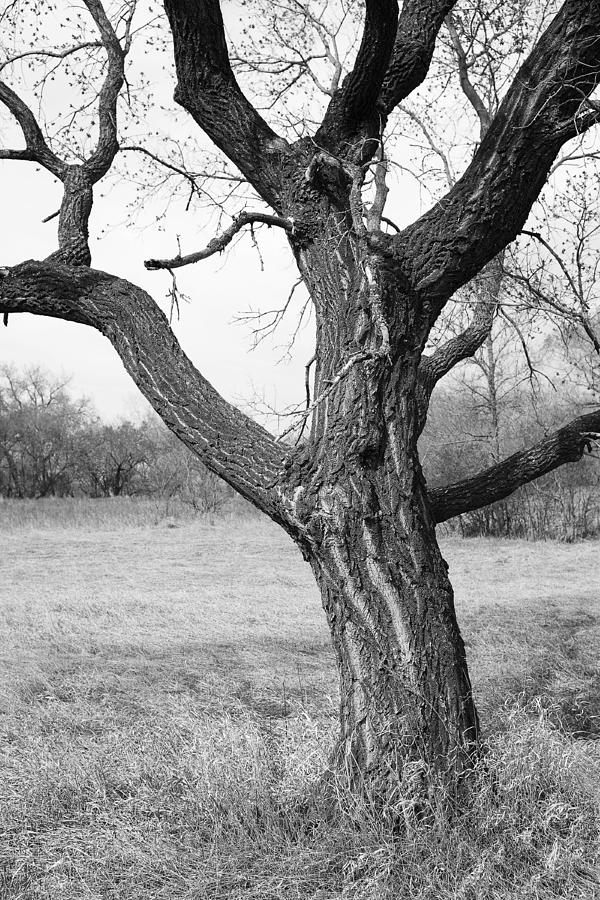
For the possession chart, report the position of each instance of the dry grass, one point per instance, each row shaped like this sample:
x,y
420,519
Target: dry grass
x,y
167,698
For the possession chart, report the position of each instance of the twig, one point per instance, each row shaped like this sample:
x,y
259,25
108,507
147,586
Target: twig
x,y
221,241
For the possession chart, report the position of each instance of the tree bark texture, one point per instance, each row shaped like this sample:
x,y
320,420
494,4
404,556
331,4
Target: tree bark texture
x,y
357,503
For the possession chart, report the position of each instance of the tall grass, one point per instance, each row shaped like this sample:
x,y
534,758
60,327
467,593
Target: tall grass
x,y
107,513
226,808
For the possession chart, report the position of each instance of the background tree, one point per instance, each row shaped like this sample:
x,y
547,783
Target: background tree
x,y
351,492
40,433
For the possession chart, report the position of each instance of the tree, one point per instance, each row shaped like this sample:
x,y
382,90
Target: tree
x,y
174,474
40,430
351,492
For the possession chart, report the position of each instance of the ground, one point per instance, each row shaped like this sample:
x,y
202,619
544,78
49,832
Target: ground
x,y
168,698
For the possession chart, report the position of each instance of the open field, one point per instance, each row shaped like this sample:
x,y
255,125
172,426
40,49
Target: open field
x,y
167,694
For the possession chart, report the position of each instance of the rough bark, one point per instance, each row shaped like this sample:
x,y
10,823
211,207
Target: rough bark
x,y
418,27
405,689
356,501
75,210
353,111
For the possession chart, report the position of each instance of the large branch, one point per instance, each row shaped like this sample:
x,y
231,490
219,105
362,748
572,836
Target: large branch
x,y
107,147
208,90
229,443
499,481
488,206
460,347
418,27
353,111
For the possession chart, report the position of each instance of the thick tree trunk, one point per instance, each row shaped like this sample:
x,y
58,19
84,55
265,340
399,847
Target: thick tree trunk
x,y
360,512
404,684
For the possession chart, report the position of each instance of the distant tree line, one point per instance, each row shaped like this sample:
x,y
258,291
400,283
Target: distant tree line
x,y
55,445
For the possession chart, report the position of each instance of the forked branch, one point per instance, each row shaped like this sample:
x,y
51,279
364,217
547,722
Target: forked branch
x,y
107,147
37,149
354,105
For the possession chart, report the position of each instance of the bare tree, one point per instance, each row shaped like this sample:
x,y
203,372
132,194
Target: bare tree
x,y
351,494
40,431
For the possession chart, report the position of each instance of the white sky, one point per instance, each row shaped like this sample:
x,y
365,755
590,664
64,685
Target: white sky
x,y
220,288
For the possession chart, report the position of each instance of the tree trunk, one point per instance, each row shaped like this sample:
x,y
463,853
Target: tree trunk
x,y
360,511
405,689
404,685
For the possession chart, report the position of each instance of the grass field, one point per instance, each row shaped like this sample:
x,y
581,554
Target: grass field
x,y
168,696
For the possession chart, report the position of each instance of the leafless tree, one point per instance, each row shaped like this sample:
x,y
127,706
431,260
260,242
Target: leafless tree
x,y
351,494
40,431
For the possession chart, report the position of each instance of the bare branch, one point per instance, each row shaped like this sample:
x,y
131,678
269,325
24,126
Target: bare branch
x,y
439,152
556,256
363,356
53,54
375,211
559,307
499,481
219,243
34,139
101,159
465,82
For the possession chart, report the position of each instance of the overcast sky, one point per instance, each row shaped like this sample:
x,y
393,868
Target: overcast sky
x,y
220,288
